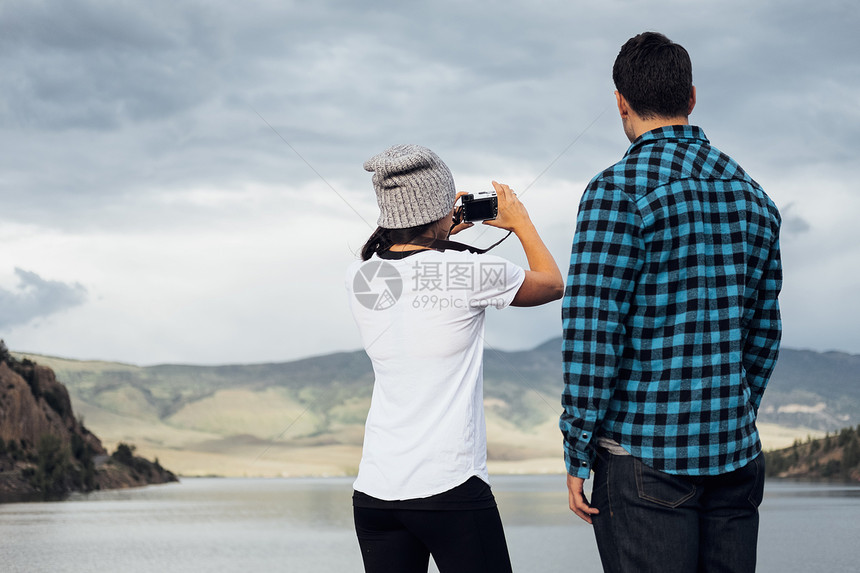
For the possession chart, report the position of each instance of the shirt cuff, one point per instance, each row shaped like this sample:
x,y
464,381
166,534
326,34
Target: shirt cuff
x,y
578,465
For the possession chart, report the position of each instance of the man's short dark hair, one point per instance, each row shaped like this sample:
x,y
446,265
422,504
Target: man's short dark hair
x,y
654,75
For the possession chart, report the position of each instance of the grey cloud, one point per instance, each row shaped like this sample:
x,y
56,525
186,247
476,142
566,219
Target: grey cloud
x,y
795,225
105,102
779,84
792,223
36,297
87,65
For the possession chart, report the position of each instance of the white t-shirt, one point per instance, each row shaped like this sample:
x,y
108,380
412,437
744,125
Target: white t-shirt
x,y
421,320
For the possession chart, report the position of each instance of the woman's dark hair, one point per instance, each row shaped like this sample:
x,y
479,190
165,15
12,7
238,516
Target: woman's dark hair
x,y
654,75
382,238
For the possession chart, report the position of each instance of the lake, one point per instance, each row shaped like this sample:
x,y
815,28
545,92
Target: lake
x,y
305,525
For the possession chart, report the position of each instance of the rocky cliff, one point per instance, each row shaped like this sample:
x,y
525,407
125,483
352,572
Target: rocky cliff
x,y
45,451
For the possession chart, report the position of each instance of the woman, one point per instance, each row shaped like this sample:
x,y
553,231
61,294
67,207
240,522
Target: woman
x,y
419,302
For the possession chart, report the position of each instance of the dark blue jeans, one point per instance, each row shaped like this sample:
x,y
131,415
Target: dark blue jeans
x,y
654,521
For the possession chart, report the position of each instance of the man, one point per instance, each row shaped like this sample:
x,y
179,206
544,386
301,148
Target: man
x,y
671,331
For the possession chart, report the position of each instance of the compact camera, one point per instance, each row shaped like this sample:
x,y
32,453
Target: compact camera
x,y
478,207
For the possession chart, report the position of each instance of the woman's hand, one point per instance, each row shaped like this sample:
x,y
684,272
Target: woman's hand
x,y
462,225
512,213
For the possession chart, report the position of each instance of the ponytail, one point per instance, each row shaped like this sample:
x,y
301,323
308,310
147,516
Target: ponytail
x,y
383,239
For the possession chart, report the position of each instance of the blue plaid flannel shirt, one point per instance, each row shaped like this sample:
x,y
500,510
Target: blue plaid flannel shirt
x,y
670,315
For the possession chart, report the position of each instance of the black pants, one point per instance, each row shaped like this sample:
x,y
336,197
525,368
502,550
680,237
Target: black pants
x,y
402,540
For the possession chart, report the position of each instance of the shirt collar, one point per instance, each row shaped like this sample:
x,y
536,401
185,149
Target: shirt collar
x,y
673,132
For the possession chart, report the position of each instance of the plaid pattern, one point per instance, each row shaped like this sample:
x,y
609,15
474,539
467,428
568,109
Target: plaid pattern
x,y
670,315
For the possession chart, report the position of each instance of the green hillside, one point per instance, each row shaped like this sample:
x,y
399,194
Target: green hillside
x,y
833,457
306,416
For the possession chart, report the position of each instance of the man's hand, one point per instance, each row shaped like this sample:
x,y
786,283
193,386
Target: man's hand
x,y
576,499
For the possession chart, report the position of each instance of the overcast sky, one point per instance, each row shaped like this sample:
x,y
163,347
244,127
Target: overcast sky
x,y
183,182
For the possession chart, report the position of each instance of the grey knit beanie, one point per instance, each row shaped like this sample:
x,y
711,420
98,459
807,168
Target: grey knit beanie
x,y
413,186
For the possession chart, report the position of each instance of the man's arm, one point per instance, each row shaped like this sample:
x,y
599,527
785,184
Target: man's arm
x,y
764,329
606,259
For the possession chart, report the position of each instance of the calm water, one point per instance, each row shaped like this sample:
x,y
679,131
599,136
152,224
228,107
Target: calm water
x,y
305,525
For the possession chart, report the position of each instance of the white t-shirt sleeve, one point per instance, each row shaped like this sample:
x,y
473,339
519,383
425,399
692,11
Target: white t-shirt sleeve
x,y
497,282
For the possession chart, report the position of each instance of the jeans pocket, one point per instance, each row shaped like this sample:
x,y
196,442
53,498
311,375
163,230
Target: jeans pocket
x,y
661,488
757,493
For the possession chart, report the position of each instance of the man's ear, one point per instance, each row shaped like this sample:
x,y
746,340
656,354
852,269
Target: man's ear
x,y
623,106
692,100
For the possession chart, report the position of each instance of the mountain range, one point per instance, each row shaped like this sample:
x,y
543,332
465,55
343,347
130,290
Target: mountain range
x,y
306,417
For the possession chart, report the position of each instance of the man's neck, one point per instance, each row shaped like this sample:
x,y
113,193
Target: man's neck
x,y
640,126
635,125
